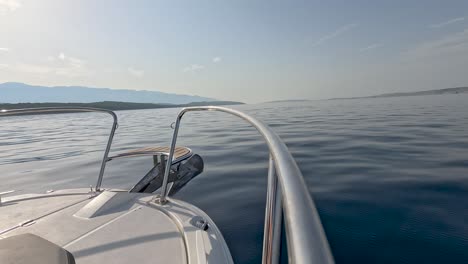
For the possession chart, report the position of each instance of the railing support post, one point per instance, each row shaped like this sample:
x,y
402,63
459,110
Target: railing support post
x,y
106,155
273,213
170,157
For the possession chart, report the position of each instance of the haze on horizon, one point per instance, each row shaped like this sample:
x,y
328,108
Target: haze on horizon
x,y
250,51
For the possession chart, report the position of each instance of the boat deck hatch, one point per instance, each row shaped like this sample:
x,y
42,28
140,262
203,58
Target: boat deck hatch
x,y
32,249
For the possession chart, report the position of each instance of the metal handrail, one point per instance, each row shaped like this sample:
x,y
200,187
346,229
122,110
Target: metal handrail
x,y
306,239
49,110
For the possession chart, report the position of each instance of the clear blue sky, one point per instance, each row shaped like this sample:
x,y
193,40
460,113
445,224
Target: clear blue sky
x,y
251,51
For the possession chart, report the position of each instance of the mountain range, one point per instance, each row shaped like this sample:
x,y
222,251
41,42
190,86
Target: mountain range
x,y
13,92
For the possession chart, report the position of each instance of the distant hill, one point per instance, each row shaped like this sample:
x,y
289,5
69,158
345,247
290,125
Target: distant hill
x,y
12,92
113,105
456,90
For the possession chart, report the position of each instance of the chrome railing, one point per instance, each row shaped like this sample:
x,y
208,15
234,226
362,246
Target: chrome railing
x,y
49,110
306,239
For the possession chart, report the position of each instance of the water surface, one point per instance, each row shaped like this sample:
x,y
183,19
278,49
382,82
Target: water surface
x,y
389,176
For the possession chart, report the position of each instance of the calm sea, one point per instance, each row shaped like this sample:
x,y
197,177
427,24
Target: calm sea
x,y
389,176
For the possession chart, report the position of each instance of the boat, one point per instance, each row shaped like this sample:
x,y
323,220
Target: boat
x,y
145,224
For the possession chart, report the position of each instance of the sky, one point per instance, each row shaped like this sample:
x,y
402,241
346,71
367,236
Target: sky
x,y
244,50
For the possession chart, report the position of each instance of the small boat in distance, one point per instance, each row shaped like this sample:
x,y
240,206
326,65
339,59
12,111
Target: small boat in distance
x,y
144,224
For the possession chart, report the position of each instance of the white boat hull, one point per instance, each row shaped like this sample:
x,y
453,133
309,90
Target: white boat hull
x,y
116,226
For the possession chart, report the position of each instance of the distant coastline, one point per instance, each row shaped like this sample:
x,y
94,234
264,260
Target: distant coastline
x,y
111,105
286,100
14,92
456,90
